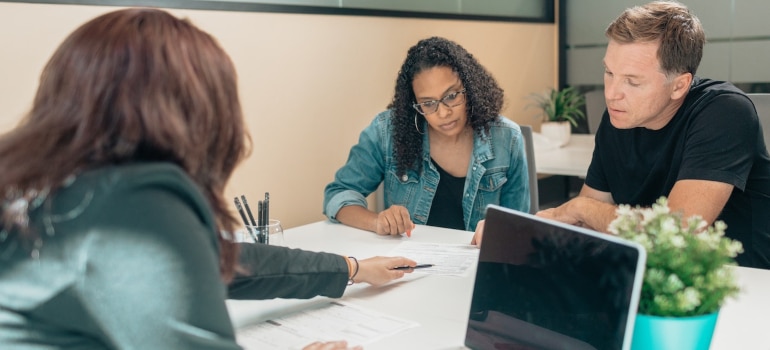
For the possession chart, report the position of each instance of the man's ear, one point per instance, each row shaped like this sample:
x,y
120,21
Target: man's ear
x,y
681,85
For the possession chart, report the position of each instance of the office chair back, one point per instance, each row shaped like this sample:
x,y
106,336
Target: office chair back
x,y
534,201
595,107
762,104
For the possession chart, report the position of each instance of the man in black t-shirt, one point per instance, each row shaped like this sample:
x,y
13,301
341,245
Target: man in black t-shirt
x,y
668,133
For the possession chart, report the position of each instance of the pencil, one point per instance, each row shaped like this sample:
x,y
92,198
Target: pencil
x,y
251,217
243,217
261,221
267,217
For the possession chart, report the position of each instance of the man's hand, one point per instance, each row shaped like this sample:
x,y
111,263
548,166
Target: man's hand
x,y
478,233
590,209
561,213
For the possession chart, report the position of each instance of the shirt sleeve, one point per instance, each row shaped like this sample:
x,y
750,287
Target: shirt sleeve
x,y
721,141
362,173
278,272
151,273
595,176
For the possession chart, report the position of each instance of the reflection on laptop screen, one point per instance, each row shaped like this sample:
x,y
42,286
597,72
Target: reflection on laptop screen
x,y
544,285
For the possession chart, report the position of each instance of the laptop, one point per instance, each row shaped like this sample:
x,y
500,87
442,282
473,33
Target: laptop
x,y
541,284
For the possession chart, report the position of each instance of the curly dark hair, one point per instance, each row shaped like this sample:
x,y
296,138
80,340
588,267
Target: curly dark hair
x,y
484,98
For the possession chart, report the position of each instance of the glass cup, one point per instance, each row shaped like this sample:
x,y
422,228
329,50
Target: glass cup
x,y
275,233
273,230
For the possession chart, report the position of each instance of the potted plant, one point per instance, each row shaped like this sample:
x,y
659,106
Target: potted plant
x,y
687,277
559,109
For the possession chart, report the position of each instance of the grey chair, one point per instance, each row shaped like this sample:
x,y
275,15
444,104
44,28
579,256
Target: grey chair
x,y
762,104
534,199
595,107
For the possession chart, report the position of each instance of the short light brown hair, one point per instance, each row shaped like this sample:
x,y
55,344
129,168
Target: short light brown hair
x,y
678,31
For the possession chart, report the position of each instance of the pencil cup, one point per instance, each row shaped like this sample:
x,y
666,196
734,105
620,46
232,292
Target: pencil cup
x,y
243,236
271,234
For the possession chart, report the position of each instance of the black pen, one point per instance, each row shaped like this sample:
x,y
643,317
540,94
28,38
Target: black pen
x,y
418,266
267,216
261,221
267,208
251,217
245,221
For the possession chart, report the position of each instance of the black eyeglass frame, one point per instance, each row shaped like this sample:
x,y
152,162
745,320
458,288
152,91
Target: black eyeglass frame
x,y
419,106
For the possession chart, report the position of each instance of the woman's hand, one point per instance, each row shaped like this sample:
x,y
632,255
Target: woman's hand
x,y
330,345
379,270
394,221
477,235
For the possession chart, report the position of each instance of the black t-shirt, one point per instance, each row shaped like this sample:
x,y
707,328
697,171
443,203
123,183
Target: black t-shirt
x,y
715,135
447,208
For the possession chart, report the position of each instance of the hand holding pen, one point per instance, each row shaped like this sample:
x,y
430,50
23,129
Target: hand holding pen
x,y
418,266
379,270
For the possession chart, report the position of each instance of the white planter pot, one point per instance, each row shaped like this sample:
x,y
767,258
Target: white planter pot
x,y
558,132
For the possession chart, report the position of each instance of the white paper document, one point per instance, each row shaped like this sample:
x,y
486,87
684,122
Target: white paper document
x,y
332,321
447,259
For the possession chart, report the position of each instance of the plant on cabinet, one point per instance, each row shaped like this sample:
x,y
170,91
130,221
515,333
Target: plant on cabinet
x,y
559,109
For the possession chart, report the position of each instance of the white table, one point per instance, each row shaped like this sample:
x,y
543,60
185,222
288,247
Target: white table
x,y
572,159
441,303
742,322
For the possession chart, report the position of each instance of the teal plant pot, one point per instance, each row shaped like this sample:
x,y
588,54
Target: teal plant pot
x,y
674,333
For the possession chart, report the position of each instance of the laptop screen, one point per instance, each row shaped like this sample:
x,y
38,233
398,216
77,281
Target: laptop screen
x,y
545,285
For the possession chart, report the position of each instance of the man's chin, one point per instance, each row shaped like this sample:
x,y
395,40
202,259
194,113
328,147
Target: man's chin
x,y
620,124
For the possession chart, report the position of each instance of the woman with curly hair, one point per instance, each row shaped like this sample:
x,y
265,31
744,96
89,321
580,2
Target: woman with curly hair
x,y
441,149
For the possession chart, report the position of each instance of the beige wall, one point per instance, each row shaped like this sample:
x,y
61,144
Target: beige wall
x,y
309,83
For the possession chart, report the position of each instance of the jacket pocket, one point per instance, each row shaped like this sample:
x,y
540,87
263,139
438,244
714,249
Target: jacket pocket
x,y
402,189
492,182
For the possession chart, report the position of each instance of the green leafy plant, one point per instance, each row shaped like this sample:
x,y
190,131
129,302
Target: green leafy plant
x,y
560,105
687,272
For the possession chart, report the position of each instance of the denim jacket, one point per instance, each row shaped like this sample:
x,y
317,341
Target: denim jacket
x,y
497,174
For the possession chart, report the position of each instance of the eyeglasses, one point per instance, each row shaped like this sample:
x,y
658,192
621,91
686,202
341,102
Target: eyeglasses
x,y
452,99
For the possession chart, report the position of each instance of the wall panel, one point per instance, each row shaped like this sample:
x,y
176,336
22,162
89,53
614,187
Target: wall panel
x,y
308,83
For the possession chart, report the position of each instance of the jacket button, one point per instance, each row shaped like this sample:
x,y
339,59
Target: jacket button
x,y
404,178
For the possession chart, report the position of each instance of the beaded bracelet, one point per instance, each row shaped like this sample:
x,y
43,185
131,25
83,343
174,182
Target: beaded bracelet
x,y
355,272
